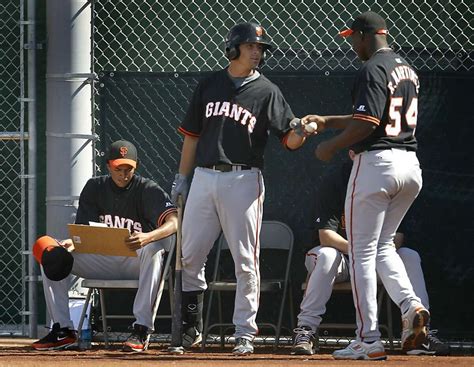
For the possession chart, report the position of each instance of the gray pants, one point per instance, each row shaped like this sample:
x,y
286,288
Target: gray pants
x,y
233,202
146,267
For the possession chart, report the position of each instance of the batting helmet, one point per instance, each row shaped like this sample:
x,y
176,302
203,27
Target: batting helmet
x,y
245,33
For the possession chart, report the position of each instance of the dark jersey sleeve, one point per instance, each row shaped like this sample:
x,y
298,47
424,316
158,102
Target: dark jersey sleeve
x,y
279,113
156,203
192,123
322,213
88,209
329,207
370,99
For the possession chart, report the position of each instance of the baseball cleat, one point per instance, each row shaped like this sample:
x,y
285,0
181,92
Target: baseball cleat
x,y
58,338
303,341
414,331
431,346
360,350
176,350
242,347
191,337
138,341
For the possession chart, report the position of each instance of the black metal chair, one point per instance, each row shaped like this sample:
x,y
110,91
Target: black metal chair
x,y
166,282
274,236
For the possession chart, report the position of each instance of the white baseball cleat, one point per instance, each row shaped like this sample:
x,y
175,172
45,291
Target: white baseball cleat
x,y
414,330
242,347
360,350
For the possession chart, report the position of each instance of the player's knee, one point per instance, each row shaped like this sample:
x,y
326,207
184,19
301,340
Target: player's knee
x,y
154,249
327,257
409,255
327,254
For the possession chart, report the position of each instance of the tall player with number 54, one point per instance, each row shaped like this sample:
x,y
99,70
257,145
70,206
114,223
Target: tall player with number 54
x,y
384,182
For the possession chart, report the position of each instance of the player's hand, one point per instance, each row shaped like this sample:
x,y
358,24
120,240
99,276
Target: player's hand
x,y
137,240
67,244
320,120
325,151
180,186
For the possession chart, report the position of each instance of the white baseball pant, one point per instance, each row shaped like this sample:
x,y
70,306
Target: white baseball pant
x,y
146,267
382,186
231,201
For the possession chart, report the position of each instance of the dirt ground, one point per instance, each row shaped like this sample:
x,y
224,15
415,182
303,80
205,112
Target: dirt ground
x,y
18,353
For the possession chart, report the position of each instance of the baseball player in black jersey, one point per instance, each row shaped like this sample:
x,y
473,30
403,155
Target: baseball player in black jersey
x,y
225,132
121,199
385,179
327,264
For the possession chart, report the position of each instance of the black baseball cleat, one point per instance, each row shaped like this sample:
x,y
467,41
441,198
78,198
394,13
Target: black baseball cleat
x,y
191,337
138,341
431,346
58,338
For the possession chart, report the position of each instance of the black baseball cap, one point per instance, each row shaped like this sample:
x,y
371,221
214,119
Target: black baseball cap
x,y
122,152
368,22
57,262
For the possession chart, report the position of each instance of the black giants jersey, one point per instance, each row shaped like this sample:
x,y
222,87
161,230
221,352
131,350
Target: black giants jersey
x,y
232,123
385,93
141,207
328,210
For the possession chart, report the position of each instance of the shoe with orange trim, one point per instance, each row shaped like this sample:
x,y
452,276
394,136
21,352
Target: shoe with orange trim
x,y
360,350
414,323
58,338
139,339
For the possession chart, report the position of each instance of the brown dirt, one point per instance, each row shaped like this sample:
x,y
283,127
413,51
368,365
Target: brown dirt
x,y
18,353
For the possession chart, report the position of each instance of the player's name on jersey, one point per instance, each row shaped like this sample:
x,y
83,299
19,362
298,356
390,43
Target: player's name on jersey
x,y
401,73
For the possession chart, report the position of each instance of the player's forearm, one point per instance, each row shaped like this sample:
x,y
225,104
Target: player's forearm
x,y
188,155
169,227
329,238
398,240
355,132
337,121
294,140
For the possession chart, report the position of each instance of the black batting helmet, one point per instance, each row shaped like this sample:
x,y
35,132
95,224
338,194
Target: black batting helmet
x,y
245,33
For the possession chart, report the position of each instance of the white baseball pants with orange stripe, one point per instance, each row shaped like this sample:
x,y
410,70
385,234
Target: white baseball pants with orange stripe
x,y
325,266
146,267
231,202
382,186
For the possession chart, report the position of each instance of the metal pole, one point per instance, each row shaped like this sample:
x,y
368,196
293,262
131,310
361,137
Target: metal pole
x,y
24,274
69,150
32,266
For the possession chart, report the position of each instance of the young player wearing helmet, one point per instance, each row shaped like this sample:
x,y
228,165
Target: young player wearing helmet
x,y
225,132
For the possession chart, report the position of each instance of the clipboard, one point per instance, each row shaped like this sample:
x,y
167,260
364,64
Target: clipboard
x,y
100,240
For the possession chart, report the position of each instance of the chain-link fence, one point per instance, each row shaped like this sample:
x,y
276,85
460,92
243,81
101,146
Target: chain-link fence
x,y
150,55
12,191
181,37
187,35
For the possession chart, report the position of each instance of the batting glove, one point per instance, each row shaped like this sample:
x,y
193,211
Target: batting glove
x,y
180,186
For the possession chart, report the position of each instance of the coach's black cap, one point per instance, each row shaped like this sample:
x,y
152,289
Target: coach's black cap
x,y
368,22
122,152
57,262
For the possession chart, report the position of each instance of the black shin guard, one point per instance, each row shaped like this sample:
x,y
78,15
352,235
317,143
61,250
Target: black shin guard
x,y
192,309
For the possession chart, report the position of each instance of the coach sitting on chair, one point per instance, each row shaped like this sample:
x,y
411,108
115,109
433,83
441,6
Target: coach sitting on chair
x,y
120,199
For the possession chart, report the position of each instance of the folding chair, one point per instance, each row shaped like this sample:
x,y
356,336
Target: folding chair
x,y
382,295
274,235
100,285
